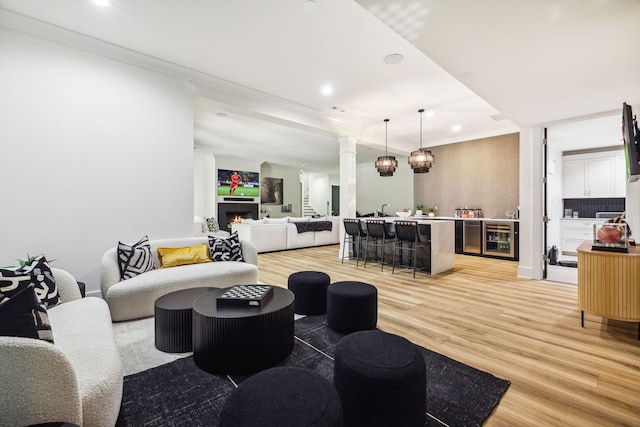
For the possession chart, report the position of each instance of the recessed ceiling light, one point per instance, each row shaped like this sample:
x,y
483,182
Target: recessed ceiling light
x,y
456,128
429,113
102,3
310,5
393,59
327,89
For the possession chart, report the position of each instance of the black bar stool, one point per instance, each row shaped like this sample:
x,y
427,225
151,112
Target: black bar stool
x,y
378,235
354,235
408,232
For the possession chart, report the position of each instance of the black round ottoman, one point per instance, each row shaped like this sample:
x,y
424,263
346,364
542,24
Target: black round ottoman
x,y
278,397
352,306
381,379
310,289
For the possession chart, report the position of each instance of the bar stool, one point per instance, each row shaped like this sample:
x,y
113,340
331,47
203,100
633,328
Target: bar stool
x,y
378,235
354,235
408,232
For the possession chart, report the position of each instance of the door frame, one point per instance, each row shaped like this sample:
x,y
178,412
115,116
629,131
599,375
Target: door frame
x,y
545,211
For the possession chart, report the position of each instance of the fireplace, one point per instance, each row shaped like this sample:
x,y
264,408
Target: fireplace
x,y
228,212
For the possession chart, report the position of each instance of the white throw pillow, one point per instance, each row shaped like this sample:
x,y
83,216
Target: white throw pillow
x,y
299,219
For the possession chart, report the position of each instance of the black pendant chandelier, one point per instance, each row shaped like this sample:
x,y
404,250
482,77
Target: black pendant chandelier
x,y
421,159
386,165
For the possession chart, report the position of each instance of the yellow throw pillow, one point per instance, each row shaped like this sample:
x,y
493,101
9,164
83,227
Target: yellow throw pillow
x,y
172,257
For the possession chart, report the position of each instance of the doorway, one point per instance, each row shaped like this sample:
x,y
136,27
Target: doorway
x,y
335,200
563,140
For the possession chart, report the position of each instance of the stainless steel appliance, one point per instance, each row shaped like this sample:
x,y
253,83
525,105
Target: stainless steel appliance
x,y
498,239
472,237
608,215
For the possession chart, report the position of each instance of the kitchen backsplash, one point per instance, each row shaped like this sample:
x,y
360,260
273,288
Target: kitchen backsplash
x,y
587,208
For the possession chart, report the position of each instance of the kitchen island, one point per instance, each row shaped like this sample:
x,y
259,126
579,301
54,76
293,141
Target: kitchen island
x,y
440,255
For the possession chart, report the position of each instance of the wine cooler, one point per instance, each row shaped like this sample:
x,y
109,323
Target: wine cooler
x,y
500,239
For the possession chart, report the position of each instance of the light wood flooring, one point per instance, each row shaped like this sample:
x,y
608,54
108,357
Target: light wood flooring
x,y
525,331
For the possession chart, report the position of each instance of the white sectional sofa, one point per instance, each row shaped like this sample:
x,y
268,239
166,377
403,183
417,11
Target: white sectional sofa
x,y
77,380
278,234
135,297
200,228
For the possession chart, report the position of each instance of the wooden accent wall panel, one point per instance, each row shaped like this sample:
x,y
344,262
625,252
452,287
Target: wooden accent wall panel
x,y
609,283
456,181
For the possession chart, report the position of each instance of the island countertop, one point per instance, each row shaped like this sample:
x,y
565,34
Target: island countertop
x,y
450,218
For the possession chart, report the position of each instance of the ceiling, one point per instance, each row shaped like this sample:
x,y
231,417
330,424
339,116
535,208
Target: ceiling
x,y
258,67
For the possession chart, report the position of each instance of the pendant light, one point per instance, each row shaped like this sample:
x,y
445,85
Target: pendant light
x,y
386,165
421,159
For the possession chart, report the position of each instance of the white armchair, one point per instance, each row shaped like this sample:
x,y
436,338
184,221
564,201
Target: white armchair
x,y
78,379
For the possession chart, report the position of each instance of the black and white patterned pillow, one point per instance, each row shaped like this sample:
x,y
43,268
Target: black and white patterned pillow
x,y
36,273
23,315
213,225
225,249
134,259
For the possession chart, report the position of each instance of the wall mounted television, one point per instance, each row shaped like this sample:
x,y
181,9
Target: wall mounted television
x,y
631,138
238,183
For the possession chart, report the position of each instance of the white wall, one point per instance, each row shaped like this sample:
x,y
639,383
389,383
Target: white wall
x,y
205,185
291,188
320,193
93,151
373,190
531,206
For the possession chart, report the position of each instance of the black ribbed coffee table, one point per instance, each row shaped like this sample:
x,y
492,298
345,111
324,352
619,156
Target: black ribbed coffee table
x,y
236,340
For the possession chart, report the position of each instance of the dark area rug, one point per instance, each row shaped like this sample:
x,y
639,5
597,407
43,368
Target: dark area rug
x,y
181,394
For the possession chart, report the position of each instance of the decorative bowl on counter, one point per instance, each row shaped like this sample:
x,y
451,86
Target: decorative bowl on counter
x,y
403,214
610,237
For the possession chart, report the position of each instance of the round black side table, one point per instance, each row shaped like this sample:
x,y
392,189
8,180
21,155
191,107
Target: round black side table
x,y
173,319
238,340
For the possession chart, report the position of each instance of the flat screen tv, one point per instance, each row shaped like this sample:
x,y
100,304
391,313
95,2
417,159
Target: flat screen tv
x,y
631,137
238,183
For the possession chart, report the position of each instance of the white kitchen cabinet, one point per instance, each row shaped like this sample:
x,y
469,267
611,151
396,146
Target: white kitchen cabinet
x,y
575,231
574,186
593,175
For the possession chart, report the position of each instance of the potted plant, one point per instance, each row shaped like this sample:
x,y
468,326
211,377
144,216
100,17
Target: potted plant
x,y
419,210
432,211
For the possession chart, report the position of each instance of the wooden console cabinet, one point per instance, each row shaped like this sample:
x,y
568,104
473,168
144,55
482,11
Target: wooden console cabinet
x,y
609,283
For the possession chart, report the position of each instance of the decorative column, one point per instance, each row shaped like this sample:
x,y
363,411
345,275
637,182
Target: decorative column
x,y
347,182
